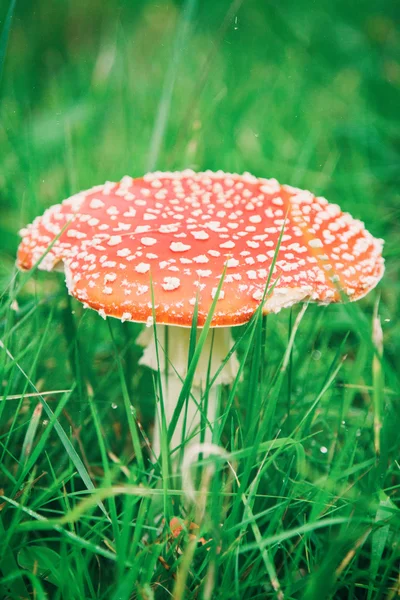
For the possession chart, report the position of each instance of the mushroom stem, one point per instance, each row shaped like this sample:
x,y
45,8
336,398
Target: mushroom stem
x,y
189,424
198,415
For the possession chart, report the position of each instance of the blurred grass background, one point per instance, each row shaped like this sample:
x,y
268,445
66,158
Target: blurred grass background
x,y
306,92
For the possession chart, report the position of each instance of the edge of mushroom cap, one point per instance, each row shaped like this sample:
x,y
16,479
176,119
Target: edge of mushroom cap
x,y
217,321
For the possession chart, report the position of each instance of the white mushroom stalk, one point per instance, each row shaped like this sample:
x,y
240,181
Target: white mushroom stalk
x,y
198,417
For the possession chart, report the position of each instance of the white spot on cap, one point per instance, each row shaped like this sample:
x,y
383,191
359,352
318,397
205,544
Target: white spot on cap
x,y
258,295
221,294
201,259
179,247
112,210
130,213
96,203
123,252
74,233
142,268
148,241
315,243
232,262
123,227
171,283
142,289
169,228
228,244
200,235
114,240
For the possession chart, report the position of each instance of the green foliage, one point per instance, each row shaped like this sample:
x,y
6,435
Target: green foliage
x,y
305,505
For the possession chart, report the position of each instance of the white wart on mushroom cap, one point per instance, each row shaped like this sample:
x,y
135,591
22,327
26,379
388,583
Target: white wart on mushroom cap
x,y
178,232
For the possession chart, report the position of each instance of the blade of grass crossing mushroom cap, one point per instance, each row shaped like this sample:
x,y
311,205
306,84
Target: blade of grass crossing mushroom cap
x,y
192,349
250,332
257,325
205,394
164,446
195,359
253,383
255,321
255,430
76,460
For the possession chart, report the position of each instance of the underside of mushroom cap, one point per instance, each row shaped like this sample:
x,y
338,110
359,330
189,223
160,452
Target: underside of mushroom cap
x,y
162,243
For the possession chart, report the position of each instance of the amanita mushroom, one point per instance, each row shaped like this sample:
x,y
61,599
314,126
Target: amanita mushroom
x,y
173,235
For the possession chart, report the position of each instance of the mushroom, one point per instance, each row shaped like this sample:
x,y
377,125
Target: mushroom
x,y
158,246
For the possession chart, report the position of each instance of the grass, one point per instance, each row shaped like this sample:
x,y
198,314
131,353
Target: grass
x,y
303,503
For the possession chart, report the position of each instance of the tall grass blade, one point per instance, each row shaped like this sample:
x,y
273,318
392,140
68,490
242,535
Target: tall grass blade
x,y
76,460
5,34
169,84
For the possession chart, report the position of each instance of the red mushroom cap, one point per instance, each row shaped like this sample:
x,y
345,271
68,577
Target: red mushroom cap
x,y
179,231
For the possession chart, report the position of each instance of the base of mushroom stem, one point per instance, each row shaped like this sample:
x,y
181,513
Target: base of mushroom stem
x,y
173,352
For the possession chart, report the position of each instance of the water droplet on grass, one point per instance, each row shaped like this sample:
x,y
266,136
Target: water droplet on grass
x,y
323,449
114,406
